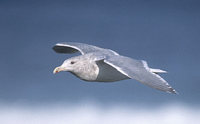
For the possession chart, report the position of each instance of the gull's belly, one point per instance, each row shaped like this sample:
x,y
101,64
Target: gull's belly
x,y
107,73
99,72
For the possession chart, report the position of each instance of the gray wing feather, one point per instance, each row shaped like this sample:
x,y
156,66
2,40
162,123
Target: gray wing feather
x,y
72,47
139,71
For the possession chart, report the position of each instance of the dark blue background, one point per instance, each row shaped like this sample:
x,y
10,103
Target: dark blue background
x,y
164,33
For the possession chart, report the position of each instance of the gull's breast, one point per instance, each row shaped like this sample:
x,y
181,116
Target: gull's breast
x,y
87,71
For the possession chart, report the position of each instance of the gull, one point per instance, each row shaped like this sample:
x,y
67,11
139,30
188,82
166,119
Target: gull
x,y
97,64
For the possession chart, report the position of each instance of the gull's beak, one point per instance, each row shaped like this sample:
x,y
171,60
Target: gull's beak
x,y
56,70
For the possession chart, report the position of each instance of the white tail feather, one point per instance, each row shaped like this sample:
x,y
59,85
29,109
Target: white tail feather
x,y
157,70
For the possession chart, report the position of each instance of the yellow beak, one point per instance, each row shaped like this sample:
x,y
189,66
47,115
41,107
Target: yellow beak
x,y
56,70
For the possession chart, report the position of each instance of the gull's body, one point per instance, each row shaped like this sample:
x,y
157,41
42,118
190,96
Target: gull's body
x,y
104,65
90,69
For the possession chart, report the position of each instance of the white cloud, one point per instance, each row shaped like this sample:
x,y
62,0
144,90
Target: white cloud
x,y
95,114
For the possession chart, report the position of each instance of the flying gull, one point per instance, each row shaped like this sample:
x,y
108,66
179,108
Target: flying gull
x,y
104,65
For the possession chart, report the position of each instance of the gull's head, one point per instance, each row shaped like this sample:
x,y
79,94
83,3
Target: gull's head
x,y
68,65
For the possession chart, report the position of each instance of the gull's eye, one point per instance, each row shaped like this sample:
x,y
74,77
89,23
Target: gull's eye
x,y
72,62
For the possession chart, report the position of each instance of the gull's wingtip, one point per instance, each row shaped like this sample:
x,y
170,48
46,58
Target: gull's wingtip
x,y
171,90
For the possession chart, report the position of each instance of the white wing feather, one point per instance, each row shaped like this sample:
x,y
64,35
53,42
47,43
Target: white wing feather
x,y
139,71
72,47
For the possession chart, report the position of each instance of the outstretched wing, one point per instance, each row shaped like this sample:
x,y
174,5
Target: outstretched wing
x,y
139,71
72,47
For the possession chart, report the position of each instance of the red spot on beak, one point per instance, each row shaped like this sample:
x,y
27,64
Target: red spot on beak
x,y
56,70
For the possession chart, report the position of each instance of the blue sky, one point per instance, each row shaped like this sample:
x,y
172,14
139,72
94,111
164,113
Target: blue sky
x,y
164,33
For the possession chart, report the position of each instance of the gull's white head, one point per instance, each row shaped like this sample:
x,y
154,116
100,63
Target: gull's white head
x,y
68,65
81,67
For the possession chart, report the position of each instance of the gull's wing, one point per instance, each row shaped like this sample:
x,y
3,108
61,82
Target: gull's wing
x,y
72,47
139,71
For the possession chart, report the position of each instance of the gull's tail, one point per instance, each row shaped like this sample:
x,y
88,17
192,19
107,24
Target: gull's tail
x,y
157,71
